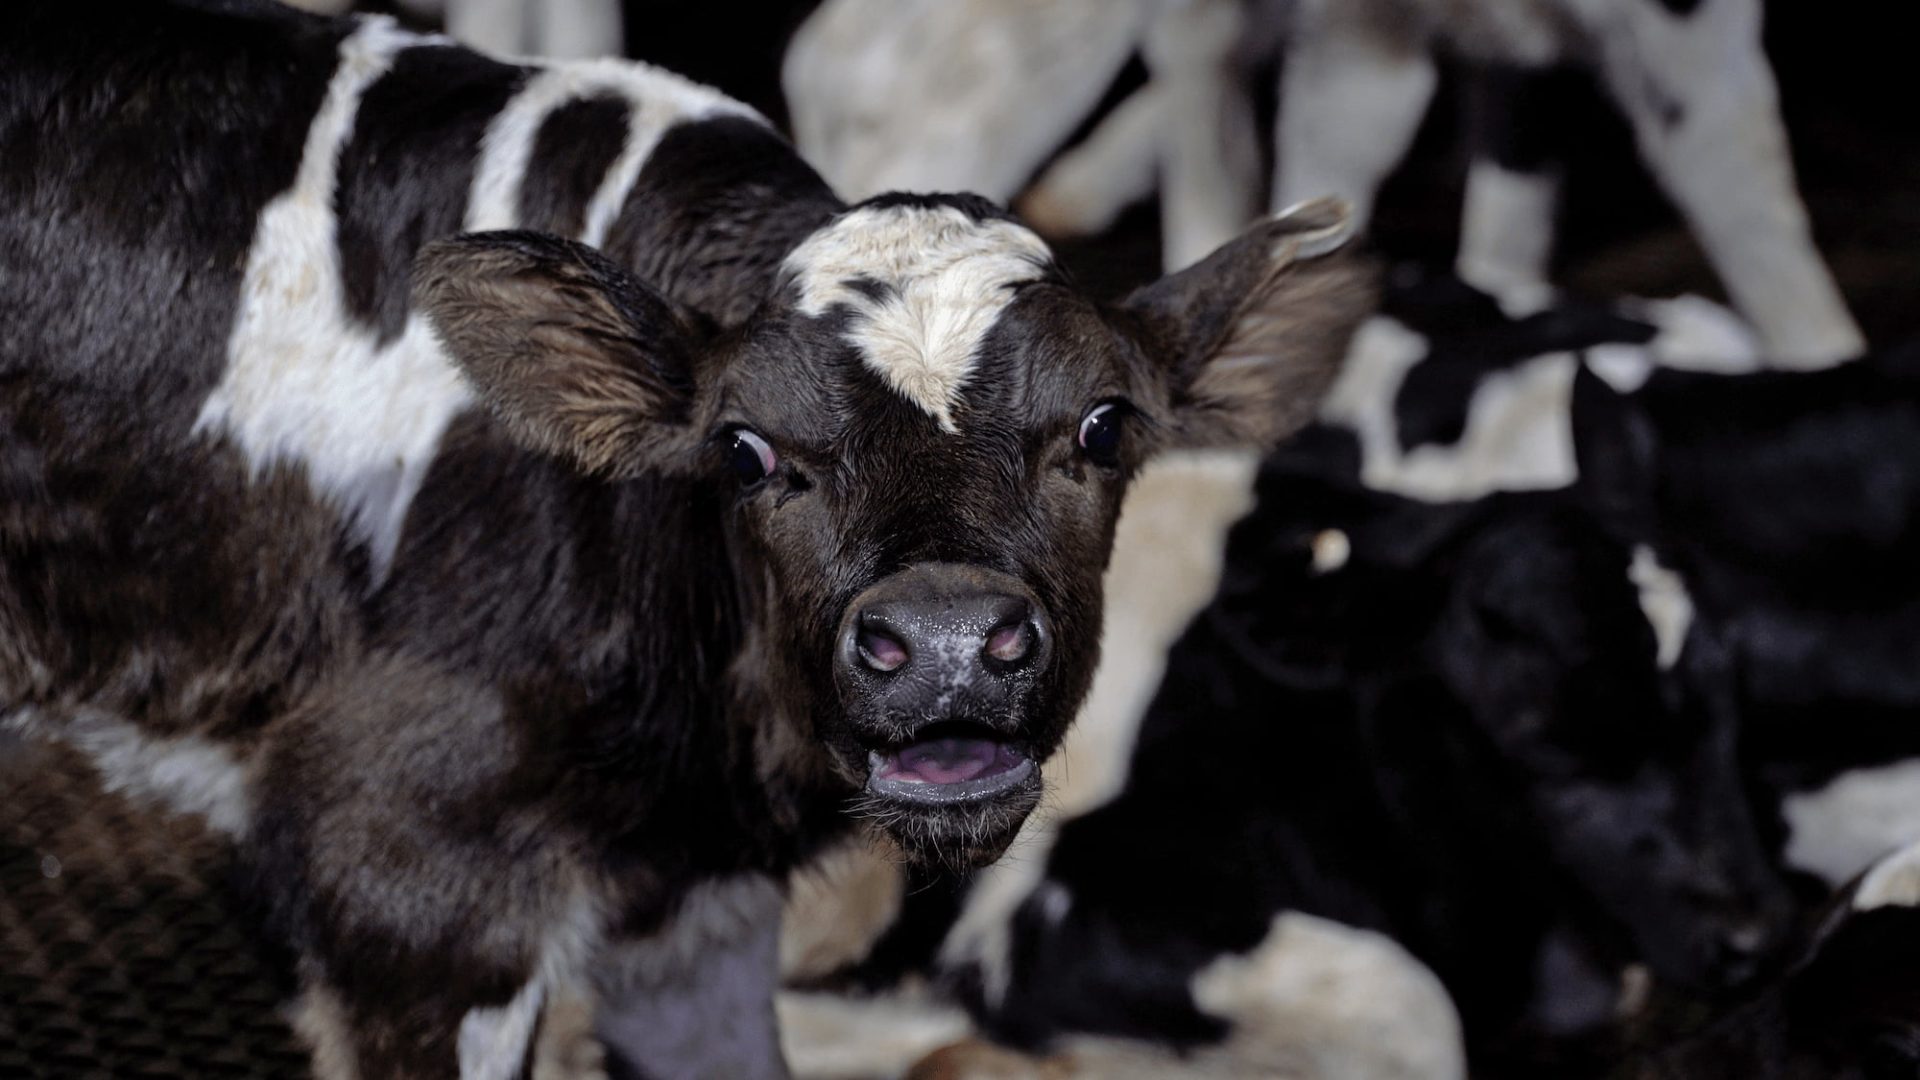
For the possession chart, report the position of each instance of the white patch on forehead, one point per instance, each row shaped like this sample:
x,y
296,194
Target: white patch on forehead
x,y
1665,602
944,280
658,100
305,382
1837,830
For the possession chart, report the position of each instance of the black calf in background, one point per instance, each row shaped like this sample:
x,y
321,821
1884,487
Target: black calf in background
x,y
1847,1009
1456,734
1789,504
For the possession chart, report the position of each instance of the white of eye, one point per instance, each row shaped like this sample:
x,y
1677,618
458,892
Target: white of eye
x,y
1331,550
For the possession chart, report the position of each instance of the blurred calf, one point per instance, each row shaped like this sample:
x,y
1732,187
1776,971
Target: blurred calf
x,y
979,94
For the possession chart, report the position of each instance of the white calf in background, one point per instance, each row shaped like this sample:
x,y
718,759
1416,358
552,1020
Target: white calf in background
x,y
562,29
1690,76
559,29
1165,567
1007,82
912,94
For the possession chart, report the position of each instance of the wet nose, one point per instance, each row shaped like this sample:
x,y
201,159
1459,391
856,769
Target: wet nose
x,y
990,633
952,627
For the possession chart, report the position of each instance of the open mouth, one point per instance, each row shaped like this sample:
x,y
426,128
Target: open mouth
x,y
947,763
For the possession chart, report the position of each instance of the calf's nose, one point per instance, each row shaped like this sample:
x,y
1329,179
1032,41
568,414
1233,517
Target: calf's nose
x,y
993,631
945,625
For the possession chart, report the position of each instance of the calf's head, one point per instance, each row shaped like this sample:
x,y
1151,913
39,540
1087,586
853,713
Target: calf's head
x,y
1515,618
927,431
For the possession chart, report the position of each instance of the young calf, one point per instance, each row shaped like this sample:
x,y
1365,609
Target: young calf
x,y
1849,1009
1356,79
1785,509
1441,722
521,622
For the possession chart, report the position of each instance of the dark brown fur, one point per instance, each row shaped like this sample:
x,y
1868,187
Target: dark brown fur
x,y
597,677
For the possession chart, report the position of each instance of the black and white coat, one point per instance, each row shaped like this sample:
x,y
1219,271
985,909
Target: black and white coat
x,y
512,601
1785,505
212,212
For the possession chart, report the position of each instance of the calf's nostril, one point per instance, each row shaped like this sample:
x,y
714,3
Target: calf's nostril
x,y
880,650
1010,644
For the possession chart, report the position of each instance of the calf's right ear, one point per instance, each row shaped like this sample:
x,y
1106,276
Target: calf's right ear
x,y
1249,339
573,355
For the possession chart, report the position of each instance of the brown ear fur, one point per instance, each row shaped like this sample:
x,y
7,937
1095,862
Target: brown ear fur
x,y
574,356
1254,334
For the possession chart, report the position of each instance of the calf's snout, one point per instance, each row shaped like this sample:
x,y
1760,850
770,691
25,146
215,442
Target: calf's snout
x,y
941,641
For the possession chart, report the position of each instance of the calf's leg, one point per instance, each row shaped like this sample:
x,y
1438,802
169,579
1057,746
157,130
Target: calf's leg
x,y
1705,112
1355,86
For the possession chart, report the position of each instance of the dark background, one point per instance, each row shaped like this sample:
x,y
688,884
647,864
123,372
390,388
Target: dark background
x,y
1849,76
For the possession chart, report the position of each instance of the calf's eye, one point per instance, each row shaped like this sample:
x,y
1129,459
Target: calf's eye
x,y
1100,434
752,459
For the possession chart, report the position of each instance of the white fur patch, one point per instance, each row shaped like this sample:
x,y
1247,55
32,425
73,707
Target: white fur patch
x,y
305,383
938,95
947,276
1331,550
1694,334
1665,602
838,907
1322,999
1838,830
1893,882
493,1043
1519,431
659,100
321,1022
185,773
1506,236
831,1036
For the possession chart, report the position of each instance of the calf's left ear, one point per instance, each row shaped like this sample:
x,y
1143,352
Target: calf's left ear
x,y
573,355
1250,338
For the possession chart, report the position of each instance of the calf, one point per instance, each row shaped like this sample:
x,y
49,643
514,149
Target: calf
x,y
1442,396
1691,78
1449,397
1442,722
1786,509
1356,79
1849,1009
519,616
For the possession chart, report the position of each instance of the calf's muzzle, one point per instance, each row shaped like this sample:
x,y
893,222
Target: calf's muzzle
x,y
936,664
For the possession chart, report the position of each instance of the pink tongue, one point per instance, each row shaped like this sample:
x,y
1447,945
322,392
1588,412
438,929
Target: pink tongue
x,y
943,761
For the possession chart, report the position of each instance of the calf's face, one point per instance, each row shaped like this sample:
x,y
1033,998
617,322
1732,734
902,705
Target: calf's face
x,y
927,432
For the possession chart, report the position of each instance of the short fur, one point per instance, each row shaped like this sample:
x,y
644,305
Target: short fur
x,y
512,670
1457,737
1787,506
